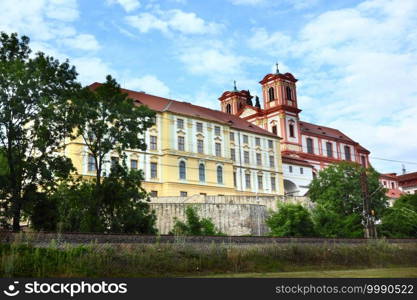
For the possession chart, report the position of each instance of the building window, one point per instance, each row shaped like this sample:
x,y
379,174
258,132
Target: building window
x,y
153,142
246,157
182,170
181,143
219,175
180,123
271,94
199,127
257,141
202,173
218,149
290,169
234,178
245,139
260,182
273,184
270,144
217,130
233,154
258,159
301,171
183,194
384,183
274,130
291,126
91,163
392,185
310,146
154,170
154,193
247,180
232,136
271,161
363,160
200,146
288,90
329,149
134,164
228,108
347,153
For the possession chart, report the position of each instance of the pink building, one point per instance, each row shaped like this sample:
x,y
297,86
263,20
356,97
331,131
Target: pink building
x,y
302,142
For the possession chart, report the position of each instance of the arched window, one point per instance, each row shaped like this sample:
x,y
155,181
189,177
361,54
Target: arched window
x,y
288,90
291,130
219,174
229,108
271,94
182,170
202,173
310,146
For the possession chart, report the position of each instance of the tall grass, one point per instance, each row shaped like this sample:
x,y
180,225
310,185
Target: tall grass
x,y
180,259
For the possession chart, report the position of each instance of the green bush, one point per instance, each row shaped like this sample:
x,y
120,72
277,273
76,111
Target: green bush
x,y
291,220
194,225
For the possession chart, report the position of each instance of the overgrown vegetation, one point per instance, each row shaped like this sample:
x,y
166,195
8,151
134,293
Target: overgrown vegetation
x,y
338,198
194,225
291,220
401,219
159,260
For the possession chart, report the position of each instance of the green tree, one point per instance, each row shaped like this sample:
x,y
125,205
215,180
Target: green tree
x,y
109,121
35,119
291,220
194,225
337,193
400,221
122,205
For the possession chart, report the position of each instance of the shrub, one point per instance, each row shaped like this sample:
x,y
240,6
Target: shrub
x,y
291,220
194,225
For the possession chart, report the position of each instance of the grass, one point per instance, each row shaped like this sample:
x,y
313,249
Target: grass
x,y
22,259
357,273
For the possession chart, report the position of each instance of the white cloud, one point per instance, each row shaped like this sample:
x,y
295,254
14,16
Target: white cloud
x,y
128,5
247,2
39,19
359,69
82,42
92,69
146,22
149,84
174,20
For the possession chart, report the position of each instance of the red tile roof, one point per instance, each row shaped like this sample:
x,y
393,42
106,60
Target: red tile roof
x,y
160,104
390,176
295,161
328,132
408,180
394,193
286,76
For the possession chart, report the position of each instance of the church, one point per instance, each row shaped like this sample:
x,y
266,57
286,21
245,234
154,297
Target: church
x,y
306,148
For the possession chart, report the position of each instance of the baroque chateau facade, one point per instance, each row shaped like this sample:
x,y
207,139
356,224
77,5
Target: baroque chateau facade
x,y
243,149
306,148
195,150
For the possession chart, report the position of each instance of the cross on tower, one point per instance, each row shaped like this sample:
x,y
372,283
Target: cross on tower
x,y
277,68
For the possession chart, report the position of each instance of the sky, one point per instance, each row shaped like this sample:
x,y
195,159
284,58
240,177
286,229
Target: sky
x,y
356,61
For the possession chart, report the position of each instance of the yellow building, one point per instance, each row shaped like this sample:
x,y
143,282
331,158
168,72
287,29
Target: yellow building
x,y
196,150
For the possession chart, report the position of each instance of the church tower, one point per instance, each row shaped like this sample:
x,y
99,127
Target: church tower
x,y
281,108
233,102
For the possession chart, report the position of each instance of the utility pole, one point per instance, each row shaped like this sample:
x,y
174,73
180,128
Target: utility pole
x,y
367,213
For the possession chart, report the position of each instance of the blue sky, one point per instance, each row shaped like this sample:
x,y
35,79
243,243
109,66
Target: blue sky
x,y
356,61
